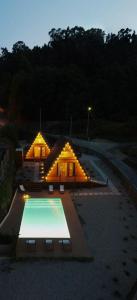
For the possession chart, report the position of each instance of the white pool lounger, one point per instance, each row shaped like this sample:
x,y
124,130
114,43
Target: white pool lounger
x,y
61,188
51,188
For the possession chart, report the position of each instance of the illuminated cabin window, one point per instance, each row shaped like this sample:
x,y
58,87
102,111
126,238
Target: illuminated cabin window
x,y
65,169
43,152
62,169
37,151
71,169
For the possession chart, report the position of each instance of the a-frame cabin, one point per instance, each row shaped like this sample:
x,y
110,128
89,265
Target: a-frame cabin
x,y
62,165
39,149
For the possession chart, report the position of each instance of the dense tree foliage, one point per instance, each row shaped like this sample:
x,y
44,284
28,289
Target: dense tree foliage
x,y
76,69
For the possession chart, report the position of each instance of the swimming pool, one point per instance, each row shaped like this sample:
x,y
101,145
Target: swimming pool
x,y
44,218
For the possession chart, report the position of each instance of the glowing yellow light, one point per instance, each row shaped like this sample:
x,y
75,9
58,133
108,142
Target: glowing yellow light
x,y
26,196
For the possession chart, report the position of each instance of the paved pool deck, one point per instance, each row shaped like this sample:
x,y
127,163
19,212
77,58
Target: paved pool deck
x,y
110,227
11,225
79,245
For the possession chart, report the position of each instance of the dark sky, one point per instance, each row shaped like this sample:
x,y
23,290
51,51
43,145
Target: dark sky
x,y
31,20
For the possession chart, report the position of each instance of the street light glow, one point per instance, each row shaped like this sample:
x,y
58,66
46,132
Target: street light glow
x,y
89,111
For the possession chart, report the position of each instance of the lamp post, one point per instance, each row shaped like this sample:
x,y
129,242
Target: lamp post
x,y
89,110
70,128
40,119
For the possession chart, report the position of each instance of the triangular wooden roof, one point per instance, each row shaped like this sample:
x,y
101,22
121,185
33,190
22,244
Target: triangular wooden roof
x,y
56,153
39,139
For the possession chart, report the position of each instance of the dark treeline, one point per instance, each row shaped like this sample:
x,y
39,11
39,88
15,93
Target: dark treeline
x,y
77,68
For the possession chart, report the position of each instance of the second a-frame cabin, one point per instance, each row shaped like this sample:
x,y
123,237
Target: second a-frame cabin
x,y
62,165
39,149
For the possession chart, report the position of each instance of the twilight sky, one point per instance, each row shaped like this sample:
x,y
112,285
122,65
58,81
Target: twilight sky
x,y
31,20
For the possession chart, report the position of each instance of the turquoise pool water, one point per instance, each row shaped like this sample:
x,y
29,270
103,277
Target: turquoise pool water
x,y
43,218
